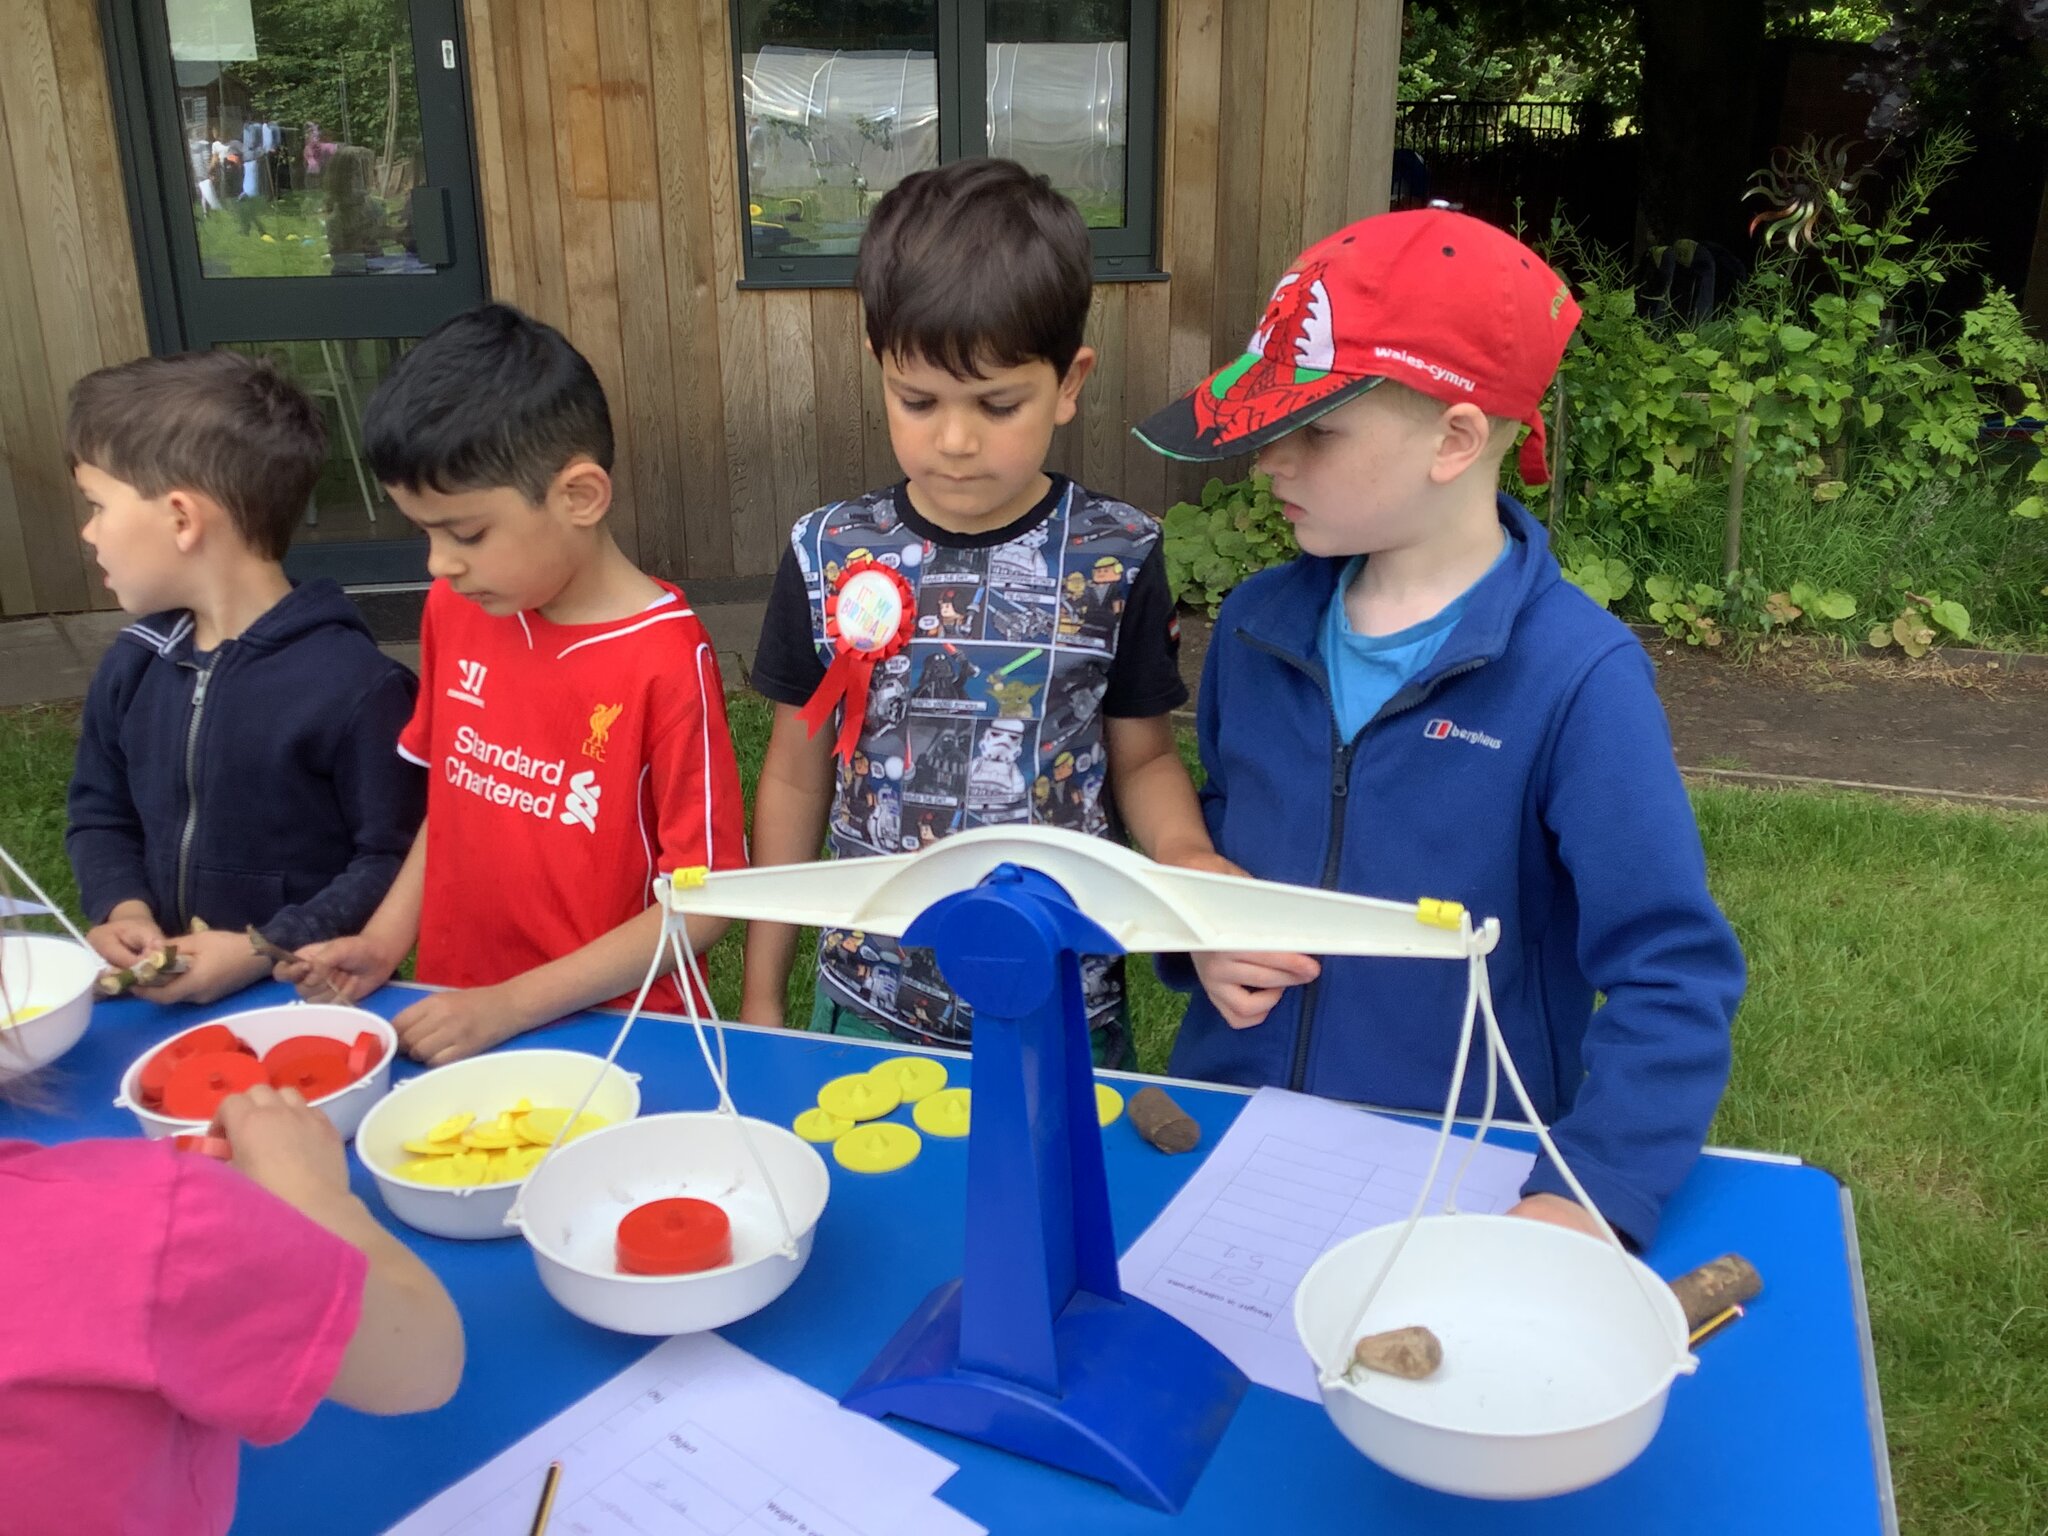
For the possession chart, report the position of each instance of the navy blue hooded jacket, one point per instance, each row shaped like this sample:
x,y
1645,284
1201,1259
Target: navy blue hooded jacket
x,y
259,784
1527,772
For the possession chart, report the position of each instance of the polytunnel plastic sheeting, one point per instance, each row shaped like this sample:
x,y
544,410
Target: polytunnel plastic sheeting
x,y
1062,109
818,116
821,116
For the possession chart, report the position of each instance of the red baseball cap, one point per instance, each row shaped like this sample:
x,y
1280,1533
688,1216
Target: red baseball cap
x,y
1439,301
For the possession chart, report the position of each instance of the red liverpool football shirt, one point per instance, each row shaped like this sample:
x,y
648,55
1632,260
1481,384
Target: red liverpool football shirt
x,y
568,766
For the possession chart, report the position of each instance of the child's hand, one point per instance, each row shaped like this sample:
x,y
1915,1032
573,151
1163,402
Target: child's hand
x,y
1244,987
1559,1212
291,1150
339,971
220,963
448,1026
129,933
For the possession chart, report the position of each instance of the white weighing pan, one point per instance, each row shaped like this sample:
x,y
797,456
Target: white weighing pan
x,y
262,1028
573,1203
1555,1367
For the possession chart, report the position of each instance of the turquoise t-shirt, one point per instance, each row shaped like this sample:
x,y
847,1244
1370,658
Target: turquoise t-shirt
x,y
1367,670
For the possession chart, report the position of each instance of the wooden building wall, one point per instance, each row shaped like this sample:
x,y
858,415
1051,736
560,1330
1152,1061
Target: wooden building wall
x,y
69,298
606,143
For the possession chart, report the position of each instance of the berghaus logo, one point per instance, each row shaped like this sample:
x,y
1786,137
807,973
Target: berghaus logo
x,y
1441,729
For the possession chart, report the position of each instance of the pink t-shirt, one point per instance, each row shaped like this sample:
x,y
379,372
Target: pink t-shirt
x,y
156,1308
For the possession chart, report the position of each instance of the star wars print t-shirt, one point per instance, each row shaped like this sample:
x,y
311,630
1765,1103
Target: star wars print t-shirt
x,y
1025,638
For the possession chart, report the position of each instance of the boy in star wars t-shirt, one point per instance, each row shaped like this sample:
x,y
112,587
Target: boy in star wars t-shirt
x,y
1000,707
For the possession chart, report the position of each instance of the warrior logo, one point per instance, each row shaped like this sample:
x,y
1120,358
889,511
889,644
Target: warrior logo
x,y
471,688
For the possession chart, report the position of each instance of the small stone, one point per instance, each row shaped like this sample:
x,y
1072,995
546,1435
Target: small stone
x,y
1410,1353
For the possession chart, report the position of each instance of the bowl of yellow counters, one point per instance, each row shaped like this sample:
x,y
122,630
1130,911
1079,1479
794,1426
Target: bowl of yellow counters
x,y
450,1149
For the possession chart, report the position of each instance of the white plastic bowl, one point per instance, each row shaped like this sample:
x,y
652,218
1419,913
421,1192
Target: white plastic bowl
x,y
261,1028
481,1086
1555,1368
55,975
574,1203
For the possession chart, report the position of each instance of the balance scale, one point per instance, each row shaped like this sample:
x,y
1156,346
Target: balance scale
x,y
1559,1350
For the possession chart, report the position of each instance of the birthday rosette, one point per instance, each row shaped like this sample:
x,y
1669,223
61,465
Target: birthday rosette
x,y
869,615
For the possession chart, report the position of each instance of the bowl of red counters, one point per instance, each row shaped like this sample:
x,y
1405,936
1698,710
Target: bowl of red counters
x,y
338,1058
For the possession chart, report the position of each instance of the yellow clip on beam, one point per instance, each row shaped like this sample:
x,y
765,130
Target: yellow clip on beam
x,y
1440,914
687,879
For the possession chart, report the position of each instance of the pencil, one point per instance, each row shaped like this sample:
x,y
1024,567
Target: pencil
x,y
546,1509
1713,1325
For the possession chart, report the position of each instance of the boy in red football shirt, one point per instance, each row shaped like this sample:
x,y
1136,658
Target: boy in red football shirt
x,y
570,714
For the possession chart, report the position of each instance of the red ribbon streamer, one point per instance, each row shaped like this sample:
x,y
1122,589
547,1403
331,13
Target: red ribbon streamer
x,y
847,680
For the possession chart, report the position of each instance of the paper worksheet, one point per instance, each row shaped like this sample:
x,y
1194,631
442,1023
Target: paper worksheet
x,y
1291,1178
701,1439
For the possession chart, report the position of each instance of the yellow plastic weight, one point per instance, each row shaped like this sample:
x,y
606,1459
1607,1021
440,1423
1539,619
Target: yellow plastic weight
x,y
451,1128
433,1148
880,1148
1108,1104
943,1113
817,1126
426,1170
858,1096
915,1077
491,1138
539,1126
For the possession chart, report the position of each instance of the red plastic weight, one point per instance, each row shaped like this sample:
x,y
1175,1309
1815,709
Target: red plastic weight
x,y
304,1047
198,1083
156,1072
364,1055
314,1076
206,1146
674,1237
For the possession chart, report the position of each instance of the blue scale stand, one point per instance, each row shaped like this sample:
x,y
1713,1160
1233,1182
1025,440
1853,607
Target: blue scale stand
x,y
1036,1349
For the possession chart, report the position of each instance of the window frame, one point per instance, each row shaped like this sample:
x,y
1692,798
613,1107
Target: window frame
x,y
1128,253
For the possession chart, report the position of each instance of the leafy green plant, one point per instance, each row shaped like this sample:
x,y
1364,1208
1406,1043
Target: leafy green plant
x,y
1833,395
1922,621
1232,532
1686,612
1603,578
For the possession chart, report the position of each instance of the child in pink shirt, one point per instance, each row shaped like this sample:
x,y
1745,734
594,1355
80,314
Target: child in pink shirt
x,y
158,1307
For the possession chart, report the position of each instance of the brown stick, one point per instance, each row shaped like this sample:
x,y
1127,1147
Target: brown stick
x,y
1713,1288
152,970
276,954
1162,1122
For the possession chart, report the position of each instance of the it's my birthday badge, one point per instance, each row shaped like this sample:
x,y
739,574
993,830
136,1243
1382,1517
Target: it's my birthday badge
x,y
869,615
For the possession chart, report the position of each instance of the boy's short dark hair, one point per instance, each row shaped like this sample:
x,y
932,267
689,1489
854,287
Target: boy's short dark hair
x,y
224,424
491,398
978,263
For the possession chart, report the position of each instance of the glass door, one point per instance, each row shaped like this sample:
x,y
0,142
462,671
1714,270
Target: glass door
x,y
307,195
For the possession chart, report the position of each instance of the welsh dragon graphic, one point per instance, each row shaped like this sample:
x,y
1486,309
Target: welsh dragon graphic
x,y
1286,366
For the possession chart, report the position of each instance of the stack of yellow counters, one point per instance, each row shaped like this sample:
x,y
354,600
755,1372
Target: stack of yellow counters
x,y
463,1150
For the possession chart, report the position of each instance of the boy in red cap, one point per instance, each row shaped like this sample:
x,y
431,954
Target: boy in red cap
x,y
1420,706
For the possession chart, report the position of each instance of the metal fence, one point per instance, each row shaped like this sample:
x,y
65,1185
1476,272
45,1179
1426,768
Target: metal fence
x,y
1446,129
1510,160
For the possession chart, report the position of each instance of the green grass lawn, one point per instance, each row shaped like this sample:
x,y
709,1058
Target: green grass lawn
x,y
1896,1031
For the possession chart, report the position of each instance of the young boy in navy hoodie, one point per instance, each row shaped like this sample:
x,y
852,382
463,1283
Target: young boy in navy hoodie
x,y
1420,706
236,765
